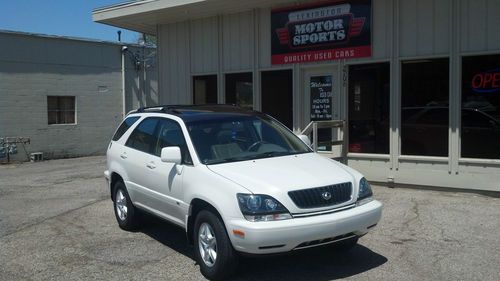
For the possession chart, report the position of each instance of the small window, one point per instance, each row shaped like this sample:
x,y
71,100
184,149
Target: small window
x,y
126,124
142,138
170,134
239,89
61,110
205,89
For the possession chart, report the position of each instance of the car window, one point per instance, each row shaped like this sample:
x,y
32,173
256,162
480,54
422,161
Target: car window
x,y
142,138
231,138
126,124
170,134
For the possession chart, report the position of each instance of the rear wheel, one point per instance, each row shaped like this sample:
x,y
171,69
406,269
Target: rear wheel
x,y
213,250
125,212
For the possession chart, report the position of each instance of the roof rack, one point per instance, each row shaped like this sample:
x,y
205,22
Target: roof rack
x,y
177,109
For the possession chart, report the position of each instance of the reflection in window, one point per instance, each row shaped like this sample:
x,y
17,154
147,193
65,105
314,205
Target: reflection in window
x,y
480,131
369,108
205,89
126,124
142,138
169,133
424,107
239,89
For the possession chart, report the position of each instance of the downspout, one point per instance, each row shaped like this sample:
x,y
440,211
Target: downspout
x,y
124,49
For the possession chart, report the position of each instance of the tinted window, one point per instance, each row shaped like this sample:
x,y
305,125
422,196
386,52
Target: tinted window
x,y
239,89
142,138
480,133
369,94
424,102
205,89
170,134
126,124
277,95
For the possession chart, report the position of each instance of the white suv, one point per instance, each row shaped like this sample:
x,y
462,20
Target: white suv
x,y
237,181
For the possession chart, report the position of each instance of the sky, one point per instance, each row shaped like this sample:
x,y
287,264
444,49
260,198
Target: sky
x,y
60,17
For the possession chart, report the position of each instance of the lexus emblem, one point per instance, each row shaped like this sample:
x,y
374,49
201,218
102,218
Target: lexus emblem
x,y
326,195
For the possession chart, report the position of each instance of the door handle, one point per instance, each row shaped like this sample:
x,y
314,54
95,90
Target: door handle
x,y
151,165
123,155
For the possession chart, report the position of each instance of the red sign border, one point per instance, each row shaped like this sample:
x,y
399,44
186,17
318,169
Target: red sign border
x,y
360,51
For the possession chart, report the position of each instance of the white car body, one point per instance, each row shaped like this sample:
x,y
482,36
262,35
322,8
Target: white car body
x,y
168,190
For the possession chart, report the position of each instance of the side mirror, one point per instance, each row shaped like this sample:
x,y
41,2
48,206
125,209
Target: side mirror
x,y
305,139
171,154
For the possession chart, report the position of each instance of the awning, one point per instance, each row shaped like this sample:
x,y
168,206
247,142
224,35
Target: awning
x,y
143,16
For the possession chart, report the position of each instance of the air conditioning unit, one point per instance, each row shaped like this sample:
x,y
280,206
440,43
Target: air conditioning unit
x,y
36,156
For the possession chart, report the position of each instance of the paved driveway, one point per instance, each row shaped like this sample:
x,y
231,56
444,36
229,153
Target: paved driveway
x,y
56,223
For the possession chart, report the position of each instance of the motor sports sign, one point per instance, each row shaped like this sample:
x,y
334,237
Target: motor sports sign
x,y
328,30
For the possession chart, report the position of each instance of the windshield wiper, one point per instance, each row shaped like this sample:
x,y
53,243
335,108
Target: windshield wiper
x,y
270,154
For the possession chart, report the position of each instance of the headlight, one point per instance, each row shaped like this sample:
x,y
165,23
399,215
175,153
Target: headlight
x,y
365,191
257,207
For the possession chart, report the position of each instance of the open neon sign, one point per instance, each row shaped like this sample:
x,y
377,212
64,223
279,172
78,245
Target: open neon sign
x,y
487,81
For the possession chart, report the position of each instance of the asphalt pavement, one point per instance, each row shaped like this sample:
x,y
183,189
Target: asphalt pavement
x,y
57,223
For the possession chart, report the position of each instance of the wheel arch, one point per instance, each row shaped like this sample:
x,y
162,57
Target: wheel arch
x,y
197,205
115,177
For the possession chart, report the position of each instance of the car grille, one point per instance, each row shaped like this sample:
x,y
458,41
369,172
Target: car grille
x,y
317,197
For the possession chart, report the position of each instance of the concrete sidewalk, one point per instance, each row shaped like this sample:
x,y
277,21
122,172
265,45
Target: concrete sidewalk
x,y
57,223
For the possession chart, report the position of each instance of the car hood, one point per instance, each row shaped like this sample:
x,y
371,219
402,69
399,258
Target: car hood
x,y
276,176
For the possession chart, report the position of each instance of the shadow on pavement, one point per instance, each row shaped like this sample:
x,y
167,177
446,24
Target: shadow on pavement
x,y
322,263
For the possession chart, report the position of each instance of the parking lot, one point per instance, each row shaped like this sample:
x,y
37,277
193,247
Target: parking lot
x,y
57,223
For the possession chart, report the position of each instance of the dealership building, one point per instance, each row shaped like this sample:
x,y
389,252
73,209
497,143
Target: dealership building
x,y
417,83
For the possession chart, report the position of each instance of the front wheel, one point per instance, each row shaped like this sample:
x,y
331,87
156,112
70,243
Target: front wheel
x,y
125,212
213,250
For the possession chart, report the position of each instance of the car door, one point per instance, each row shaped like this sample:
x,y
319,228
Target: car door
x,y
165,179
136,155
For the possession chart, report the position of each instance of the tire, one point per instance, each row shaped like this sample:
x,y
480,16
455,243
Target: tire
x,y
125,212
346,245
210,226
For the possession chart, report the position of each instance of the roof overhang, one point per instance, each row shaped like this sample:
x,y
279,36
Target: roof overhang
x,y
143,16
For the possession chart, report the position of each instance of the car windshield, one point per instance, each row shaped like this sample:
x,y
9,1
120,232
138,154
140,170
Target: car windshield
x,y
231,138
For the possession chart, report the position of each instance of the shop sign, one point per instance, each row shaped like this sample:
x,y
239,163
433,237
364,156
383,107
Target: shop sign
x,y
321,98
487,81
324,31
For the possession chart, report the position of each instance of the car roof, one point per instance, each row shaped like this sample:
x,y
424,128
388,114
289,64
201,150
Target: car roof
x,y
190,113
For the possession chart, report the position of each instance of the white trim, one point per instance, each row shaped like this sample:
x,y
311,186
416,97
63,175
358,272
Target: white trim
x,y
423,158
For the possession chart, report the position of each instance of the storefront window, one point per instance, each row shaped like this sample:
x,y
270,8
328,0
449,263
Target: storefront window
x,y
277,95
239,89
424,107
480,131
205,89
369,96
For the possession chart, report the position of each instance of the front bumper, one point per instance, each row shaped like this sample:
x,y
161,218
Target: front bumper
x,y
286,235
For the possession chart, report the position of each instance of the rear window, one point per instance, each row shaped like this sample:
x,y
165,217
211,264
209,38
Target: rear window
x,y
126,124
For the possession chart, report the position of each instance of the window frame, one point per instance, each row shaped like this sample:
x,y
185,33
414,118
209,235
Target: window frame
x,y
58,110
155,137
417,60
391,116
123,122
